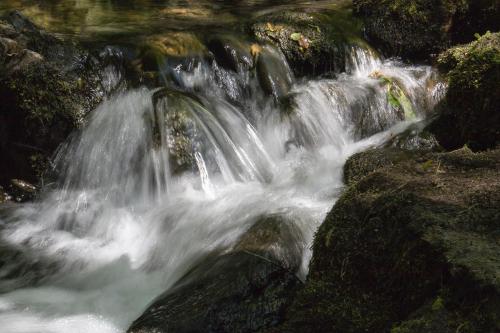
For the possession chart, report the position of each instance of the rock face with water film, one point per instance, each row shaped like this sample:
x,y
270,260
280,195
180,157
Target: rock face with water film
x,y
47,87
470,113
243,290
407,248
232,53
417,29
310,41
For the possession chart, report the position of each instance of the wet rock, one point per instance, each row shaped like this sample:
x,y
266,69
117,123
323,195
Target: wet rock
x,y
243,290
415,137
47,87
22,191
411,239
274,75
469,114
313,43
417,29
173,46
19,267
177,128
232,53
4,196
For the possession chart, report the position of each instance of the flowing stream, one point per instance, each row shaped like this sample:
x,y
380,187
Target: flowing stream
x,y
120,225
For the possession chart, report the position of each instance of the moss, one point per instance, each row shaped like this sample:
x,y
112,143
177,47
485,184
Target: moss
x,y
417,29
45,95
313,42
403,249
469,114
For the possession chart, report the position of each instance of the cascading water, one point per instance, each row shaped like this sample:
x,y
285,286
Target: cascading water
x,y
132,211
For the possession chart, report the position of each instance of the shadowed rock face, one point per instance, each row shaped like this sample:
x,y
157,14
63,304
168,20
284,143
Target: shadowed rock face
x,y
244,290
470,113
416,29
47,87
415,236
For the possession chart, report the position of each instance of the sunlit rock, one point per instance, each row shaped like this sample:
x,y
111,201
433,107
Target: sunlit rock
x,y
313,42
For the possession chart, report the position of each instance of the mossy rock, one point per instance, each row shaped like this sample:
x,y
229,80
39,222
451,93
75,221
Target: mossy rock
x,y
422,226
416,137
47,88
470,114
313,42
177,128
417,29
173,45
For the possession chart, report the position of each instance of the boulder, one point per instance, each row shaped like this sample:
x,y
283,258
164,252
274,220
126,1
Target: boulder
x,y
407,248
312,42
47,87
420,28
245,289
470,112
232,53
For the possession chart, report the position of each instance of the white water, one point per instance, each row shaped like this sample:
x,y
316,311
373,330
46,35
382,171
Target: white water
x,y
119,228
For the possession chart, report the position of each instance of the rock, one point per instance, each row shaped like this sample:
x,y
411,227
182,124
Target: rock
x,y
420,28
470,113
243,290
47,87
405,243
4,196
232,53
362,164
178,129
173,46
416,137
22,191
313,43
274,74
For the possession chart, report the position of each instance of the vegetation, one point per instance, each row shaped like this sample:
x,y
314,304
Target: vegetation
x,y
406,244
469,114
418,29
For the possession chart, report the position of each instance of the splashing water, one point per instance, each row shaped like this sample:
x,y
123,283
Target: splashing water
x,y
122,225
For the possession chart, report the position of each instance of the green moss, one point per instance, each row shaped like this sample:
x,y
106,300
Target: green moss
x,y
397,252
417,29
470,111
313,42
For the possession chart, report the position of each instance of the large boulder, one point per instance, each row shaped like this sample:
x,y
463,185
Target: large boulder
x,y
419,28
407,248
245,289
312,42
470,113
47,87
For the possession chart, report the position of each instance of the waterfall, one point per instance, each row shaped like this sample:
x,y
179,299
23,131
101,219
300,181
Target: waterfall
x,y
160,177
